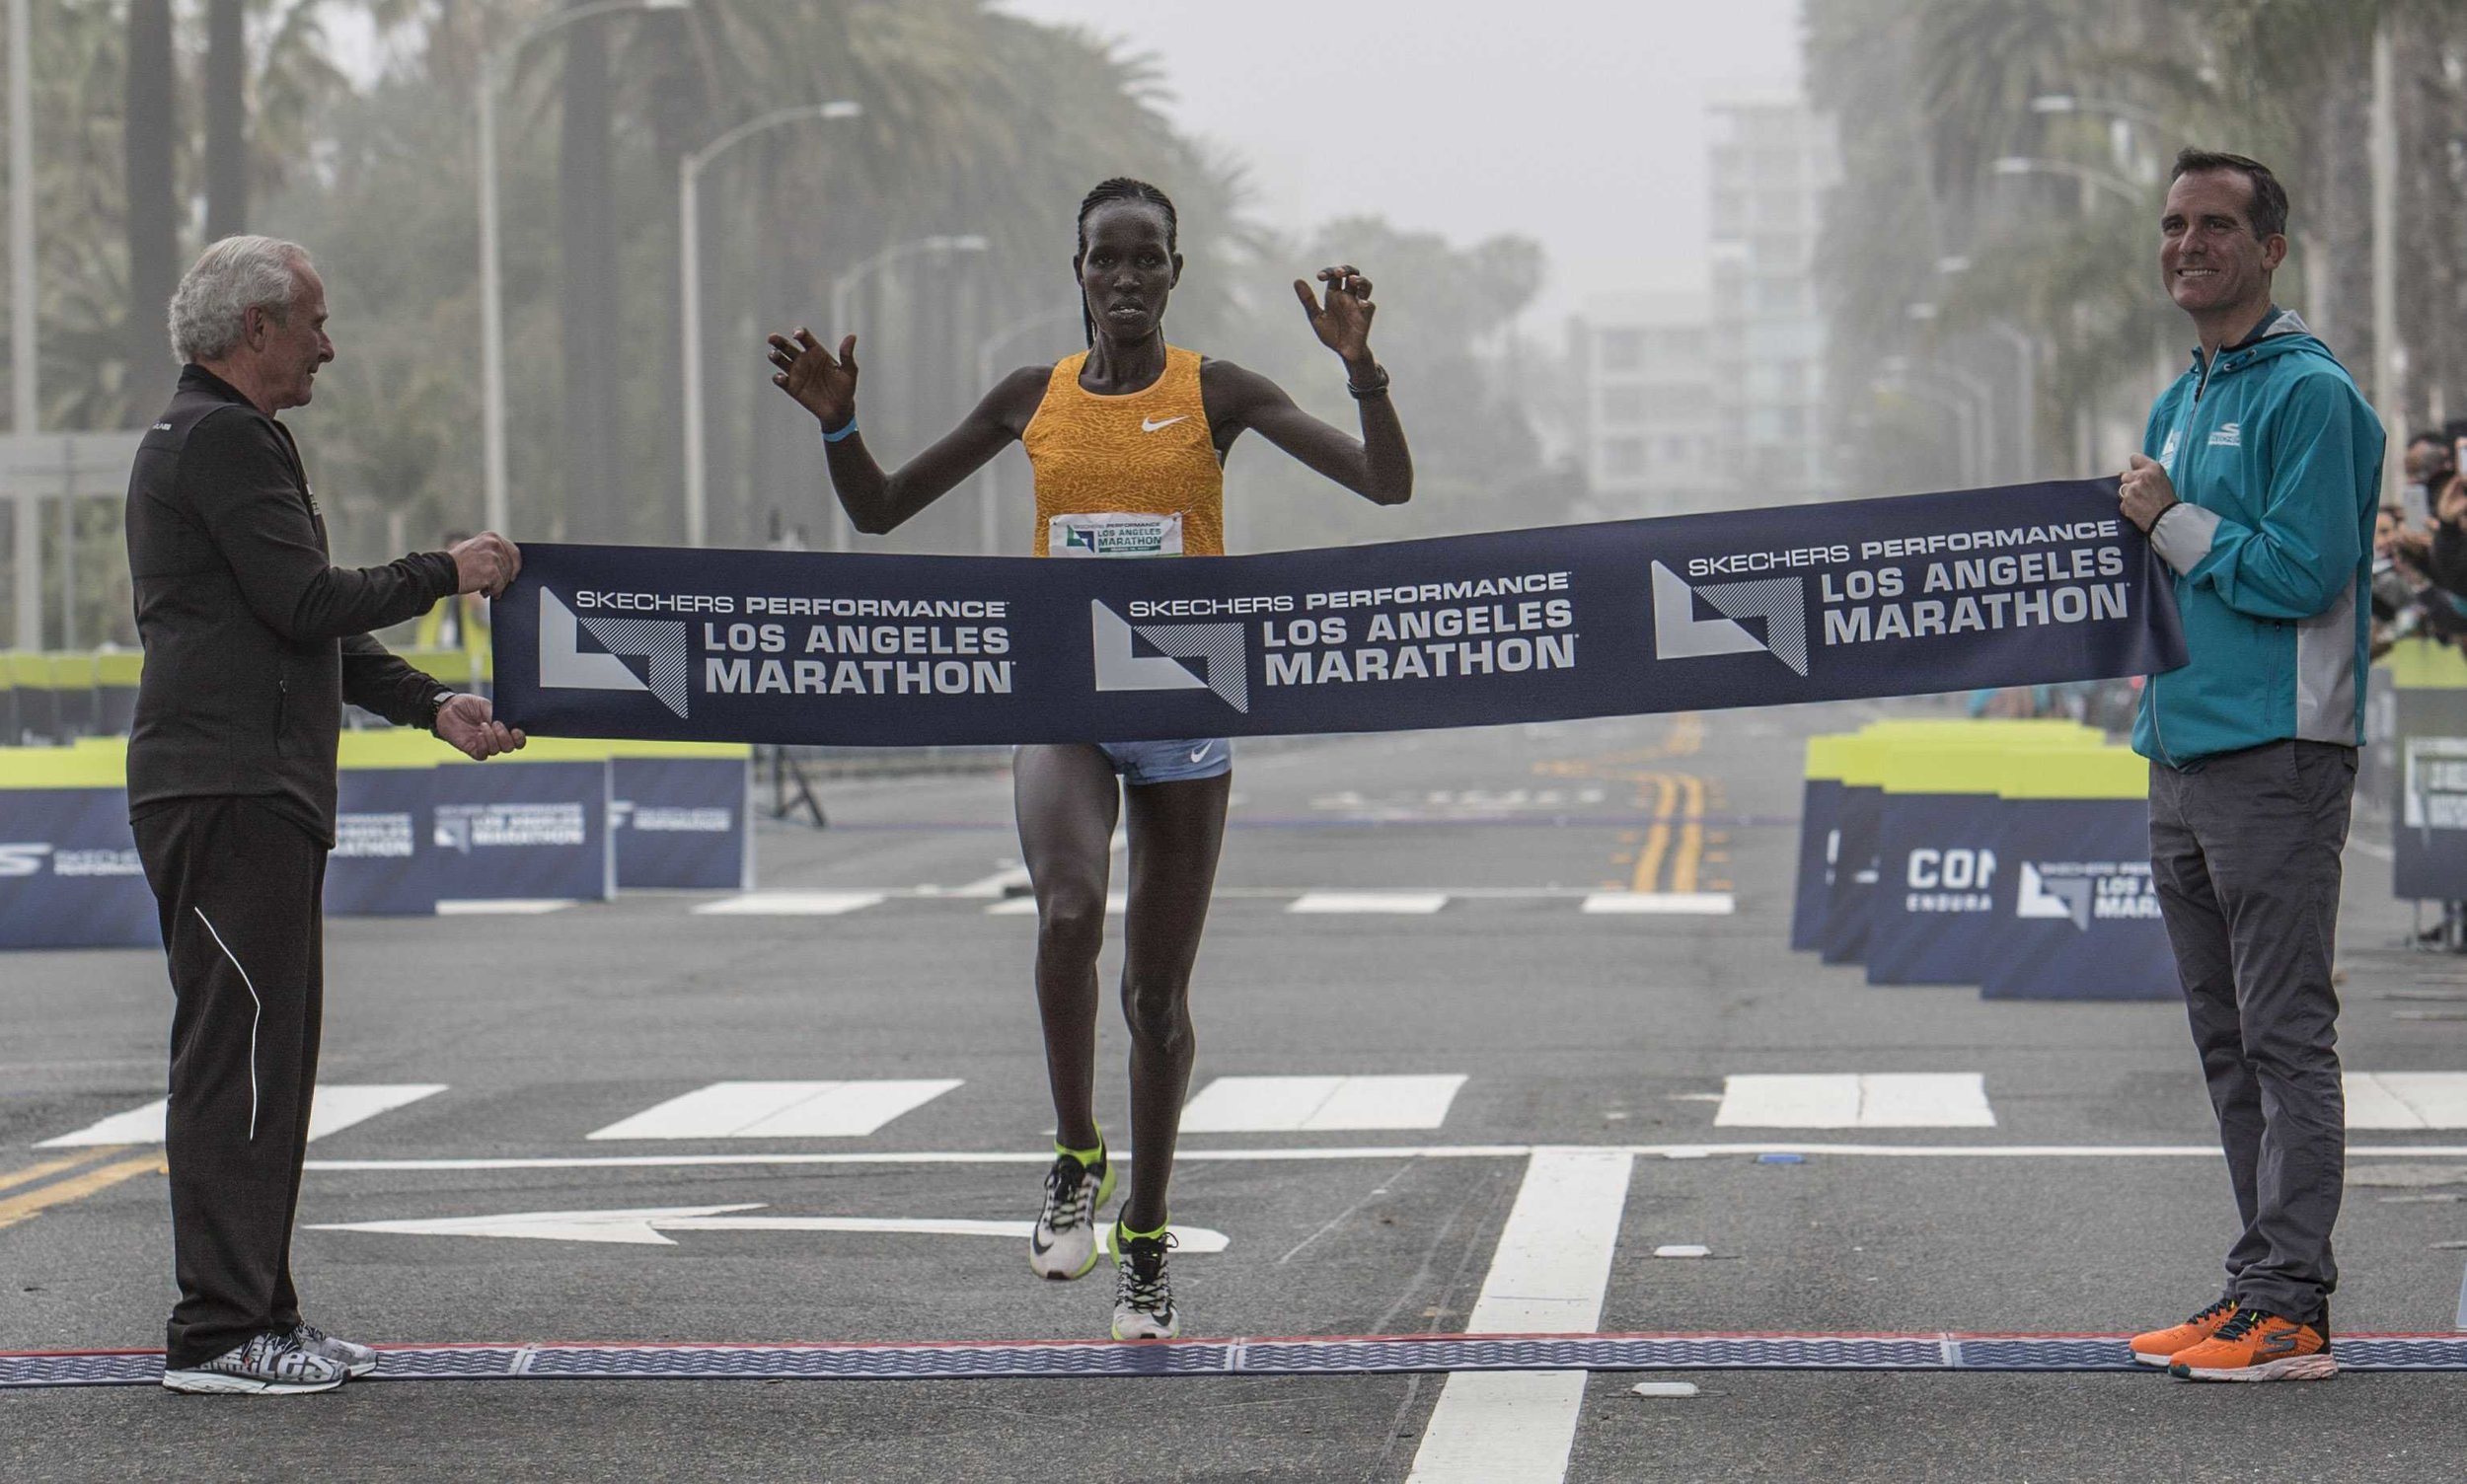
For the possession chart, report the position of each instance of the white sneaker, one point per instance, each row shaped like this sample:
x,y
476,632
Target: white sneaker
x,y
358,1359
269,1365
1064,1244
1143,1304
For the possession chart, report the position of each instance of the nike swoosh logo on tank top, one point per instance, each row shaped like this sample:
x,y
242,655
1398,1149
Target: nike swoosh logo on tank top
x,y
1151,424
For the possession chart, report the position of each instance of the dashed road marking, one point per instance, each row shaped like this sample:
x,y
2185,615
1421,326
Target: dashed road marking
x,y
1312,1104
1855,1100
779,1110
501,907
1718,904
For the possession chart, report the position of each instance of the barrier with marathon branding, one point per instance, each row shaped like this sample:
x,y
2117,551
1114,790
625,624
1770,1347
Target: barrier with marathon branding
x,y
2428,818
1944,892
679,816
1923,593
69,872
534,829
384,861
2086,922
2010,855
1820,841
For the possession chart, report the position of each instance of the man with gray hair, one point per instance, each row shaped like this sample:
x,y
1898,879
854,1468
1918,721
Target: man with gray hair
x,y
254,641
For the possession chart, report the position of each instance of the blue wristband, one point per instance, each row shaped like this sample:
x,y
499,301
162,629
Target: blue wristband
x,y
847,429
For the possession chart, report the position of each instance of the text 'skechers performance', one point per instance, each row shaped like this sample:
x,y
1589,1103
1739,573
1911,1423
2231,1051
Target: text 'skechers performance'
x,y
1924,593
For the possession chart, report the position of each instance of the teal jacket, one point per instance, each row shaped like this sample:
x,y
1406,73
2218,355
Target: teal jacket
x,y
2278,460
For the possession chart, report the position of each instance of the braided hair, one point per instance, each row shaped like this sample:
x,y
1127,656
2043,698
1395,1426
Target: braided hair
x,y
1119,189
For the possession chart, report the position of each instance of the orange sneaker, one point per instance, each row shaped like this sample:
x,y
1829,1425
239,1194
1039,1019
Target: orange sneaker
x,y
2255,1346
2160,1346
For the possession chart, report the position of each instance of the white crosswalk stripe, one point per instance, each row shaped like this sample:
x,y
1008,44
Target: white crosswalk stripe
x,y
780,1110
2407,1099
1305,1105
1717,904
792,904
1347,903
335,1106
1855,1100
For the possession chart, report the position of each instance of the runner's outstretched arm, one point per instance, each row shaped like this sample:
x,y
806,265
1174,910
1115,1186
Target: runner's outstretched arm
x,y
1378,467
826,386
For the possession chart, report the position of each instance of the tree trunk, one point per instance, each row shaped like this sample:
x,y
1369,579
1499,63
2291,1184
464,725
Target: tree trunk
x,y
226,119
588,303
153,220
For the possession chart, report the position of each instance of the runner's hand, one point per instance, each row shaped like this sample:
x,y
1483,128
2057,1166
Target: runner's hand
x,y
821,385
1343,322
2453,507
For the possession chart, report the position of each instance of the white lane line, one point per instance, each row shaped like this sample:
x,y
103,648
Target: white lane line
x,y
1379,1152
1025,907
779,1110
333,1108
1862,1100
2407,1099
790,903
1716,904
1548,1277
493,907
1352,903
1311,1104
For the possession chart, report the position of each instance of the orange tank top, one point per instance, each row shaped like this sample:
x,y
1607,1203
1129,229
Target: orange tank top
x,y
1148,452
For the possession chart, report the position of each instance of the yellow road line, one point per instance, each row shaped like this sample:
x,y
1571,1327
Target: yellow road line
x,y
1656,838
25,1207
1690,836
32,1172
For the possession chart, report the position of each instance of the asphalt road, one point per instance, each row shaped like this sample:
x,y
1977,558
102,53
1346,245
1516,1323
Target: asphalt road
x,y
1570,1030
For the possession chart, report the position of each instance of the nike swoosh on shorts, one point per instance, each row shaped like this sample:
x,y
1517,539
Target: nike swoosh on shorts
x,y
1200,756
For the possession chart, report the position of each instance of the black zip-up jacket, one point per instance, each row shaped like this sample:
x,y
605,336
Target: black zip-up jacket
x,y
254,638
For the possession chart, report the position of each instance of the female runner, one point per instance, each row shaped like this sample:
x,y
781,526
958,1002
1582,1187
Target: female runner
x,y
1130,427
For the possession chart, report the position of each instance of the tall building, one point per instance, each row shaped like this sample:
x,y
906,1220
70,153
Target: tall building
x,y
1772,161
1648,437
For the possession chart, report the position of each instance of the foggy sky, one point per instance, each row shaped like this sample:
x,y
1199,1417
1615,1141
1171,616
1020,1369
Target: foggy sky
x,y
1580,123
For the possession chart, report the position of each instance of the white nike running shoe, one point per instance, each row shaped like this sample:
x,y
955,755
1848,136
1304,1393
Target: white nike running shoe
x,y
1064,1244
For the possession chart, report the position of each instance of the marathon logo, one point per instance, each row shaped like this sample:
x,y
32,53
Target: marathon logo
x,y
1779,604
1172,650
658,644
2082,891
25,858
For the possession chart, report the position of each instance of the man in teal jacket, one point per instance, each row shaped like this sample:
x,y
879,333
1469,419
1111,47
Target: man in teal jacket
x,y
2258,483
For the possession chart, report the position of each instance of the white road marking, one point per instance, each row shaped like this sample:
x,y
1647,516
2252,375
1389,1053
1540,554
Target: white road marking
x,y
2407,1099
1548,1277
1380,1151
779,1110
1862,1100
1717,904
1025,907
1312,1104
999,884
334,1107
643,1228
492,907
1345,903
790,903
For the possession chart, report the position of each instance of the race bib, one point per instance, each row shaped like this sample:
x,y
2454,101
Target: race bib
x,y
1112,534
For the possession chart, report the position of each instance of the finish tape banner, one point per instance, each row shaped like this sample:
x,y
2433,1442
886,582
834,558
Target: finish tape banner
x,y
2021,585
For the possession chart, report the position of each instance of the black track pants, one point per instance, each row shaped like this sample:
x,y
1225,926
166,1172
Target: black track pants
x,y
239,890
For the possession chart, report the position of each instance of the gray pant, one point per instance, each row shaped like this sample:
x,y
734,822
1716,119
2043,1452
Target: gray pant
x,y
2244,848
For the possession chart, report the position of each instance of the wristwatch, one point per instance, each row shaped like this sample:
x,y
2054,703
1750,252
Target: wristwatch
x,y
436,703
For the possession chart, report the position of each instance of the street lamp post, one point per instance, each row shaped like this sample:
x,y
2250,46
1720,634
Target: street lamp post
x,y
843,295
689,288
1947,390
2024,165
26,408
492,68
989,507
